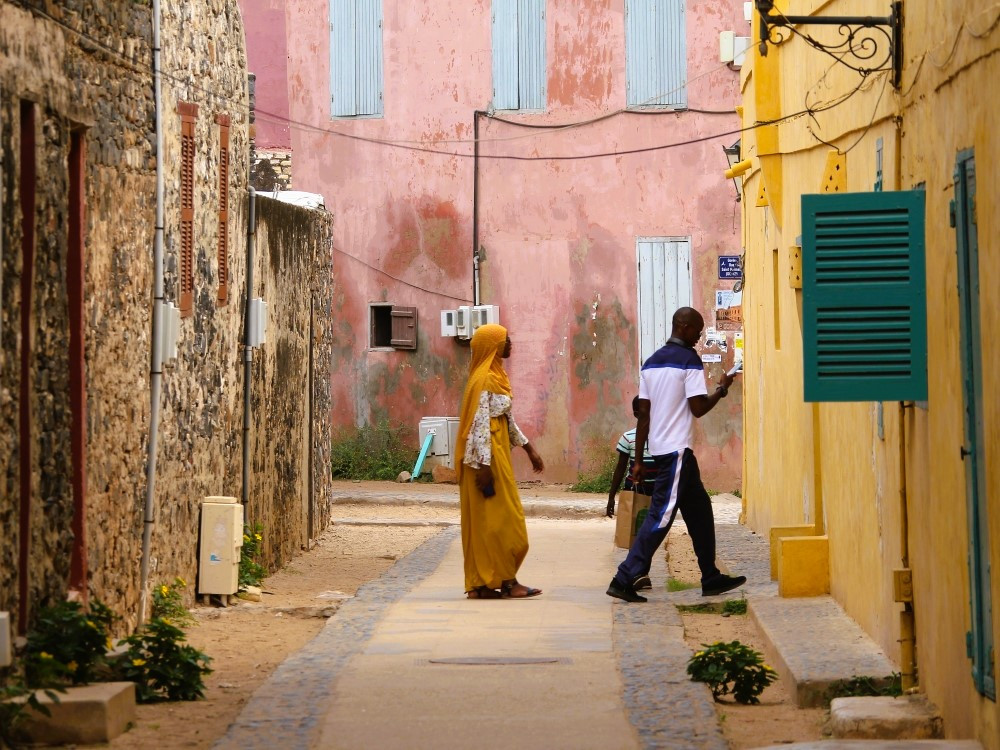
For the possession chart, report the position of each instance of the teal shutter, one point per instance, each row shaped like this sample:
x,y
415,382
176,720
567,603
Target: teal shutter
x,y
356,58
864,301
655,53
518,54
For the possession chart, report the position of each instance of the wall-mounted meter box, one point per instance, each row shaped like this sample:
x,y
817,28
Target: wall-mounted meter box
x,y
221,543
463,322
483,314
257,322
448,323
6,652
442,449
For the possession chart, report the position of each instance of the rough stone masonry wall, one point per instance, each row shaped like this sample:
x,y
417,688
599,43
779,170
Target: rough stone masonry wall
x,y
76,83
271,170
292,272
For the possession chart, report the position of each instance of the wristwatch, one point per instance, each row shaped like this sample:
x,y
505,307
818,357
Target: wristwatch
x,y
723,390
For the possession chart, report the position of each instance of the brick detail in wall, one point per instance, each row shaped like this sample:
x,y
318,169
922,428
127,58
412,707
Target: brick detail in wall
x,y
223,250
189,114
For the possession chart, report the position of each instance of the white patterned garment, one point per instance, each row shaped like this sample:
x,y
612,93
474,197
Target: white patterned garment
x,y
478,446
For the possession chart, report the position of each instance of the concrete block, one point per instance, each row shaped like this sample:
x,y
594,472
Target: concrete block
x,y
777,532
884,718
84,714
444,475
803,566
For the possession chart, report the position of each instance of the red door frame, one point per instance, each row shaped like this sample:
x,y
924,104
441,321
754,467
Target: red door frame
x,y
75,264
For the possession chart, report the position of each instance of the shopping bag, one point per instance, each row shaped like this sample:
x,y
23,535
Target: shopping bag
x,y
632,510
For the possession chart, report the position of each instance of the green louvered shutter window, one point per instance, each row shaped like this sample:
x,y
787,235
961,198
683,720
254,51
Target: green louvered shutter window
x,y
864,297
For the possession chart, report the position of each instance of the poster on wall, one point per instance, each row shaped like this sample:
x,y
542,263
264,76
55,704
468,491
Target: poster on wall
x,y
738,351
728,310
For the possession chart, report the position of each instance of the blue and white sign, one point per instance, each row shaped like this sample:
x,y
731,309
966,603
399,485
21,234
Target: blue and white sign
x,y
729,267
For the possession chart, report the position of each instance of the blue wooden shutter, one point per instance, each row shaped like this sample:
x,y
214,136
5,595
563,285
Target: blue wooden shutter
x,y
518,54
505,55
864,302
355,57
655,53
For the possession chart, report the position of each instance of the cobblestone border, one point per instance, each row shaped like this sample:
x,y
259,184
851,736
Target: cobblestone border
x,y
287,710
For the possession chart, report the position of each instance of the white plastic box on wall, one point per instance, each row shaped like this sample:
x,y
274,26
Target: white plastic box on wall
x,y
442,449
463,322
221,542
448,323
483,314
5,649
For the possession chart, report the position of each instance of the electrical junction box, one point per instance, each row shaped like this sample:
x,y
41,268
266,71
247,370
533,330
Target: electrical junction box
x,y
732,48
221,543
483,314
170,329
5,638
448,323
463,322
257,322
442,449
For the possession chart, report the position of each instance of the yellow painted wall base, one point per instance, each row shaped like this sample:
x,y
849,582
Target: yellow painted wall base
x,y
777,532
803,566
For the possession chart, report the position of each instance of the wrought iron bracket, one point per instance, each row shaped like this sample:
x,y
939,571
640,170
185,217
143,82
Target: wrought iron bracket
x,y
864,39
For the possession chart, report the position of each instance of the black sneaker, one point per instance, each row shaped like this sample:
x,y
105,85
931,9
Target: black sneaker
x,y
642,582
720,584
625,593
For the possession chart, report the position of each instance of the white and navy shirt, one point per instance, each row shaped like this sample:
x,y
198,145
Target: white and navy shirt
x,y
668,379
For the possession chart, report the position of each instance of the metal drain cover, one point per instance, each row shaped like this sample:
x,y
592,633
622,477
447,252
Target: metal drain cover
x,y
489,661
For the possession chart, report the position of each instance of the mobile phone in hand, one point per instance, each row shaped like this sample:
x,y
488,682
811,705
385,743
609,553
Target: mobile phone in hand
x,y
736,369
488,490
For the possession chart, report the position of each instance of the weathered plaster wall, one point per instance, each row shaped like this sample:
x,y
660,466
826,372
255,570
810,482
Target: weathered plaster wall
x,y
267,58
555,234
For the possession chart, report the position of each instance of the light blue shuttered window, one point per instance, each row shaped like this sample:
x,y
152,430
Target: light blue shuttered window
x,y
519,54
655,53
355,58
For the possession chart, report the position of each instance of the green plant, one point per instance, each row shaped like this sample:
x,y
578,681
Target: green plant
x,y
17,700
734,607
738,493
371,452
865,685
68,642
167,602
600,480
706,608
162,666
731,668
674,585
251,571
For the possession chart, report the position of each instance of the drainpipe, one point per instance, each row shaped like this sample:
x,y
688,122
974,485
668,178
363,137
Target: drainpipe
x,y
156,355
248,349
475,206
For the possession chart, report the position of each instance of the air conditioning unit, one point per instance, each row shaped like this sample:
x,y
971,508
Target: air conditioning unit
x,y
483,314
448,323
463,322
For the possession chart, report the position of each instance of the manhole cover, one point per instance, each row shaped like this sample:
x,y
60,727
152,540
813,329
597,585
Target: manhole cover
x,y
489,661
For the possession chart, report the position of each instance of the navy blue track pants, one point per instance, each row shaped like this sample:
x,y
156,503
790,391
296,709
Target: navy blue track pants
x,y
678,487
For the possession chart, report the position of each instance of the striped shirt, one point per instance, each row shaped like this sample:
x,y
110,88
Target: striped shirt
x,y
626,445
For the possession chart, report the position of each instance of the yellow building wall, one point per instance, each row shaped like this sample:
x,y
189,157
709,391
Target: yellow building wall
x,y
827,464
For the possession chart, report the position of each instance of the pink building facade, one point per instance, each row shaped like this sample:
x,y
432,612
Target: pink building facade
x,y
584,236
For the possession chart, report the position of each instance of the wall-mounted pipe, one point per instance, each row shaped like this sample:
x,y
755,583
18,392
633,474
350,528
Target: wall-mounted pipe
x,y
475,205
248,347
156,353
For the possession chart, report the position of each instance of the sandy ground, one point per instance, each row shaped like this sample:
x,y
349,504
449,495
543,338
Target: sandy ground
x,y
776,720
249,640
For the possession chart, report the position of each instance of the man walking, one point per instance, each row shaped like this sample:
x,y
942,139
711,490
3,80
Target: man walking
x,y
672,393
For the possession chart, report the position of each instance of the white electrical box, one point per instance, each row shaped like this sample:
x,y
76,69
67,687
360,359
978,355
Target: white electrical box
x,y
257,322
221,542
5,638
740,46
442,449
170,330
448,323
463,322
483,314
726,46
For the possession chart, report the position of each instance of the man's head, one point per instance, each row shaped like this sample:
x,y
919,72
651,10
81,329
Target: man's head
x,y
687,325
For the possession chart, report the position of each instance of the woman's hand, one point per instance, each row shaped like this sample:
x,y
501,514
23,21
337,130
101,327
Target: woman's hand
x,y
484,476
537,465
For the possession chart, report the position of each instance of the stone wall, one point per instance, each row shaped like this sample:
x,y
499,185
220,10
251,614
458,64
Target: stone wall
x,y
270,169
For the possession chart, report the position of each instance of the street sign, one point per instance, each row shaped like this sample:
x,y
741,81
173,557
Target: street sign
x,y
729,267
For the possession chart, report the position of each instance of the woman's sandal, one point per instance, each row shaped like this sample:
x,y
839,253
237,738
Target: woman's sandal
x,y
515,590
483,592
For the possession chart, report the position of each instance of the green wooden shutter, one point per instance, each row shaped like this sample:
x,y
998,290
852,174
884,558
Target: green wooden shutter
x,y
864,301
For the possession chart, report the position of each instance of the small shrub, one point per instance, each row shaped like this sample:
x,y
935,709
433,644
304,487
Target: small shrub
x,y
251,571
13,710
167,602
68,642
371,452
865,686
738,493
162,666
731,668
600,481
734,607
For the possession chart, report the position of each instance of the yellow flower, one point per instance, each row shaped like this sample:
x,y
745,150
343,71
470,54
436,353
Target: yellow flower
x,y
91,624
164,589
138,662
700,653
768,668
257,537
45,655
246,538
72,666
181,581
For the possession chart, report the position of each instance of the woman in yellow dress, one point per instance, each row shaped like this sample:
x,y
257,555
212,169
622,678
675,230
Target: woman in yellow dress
x,y
494,535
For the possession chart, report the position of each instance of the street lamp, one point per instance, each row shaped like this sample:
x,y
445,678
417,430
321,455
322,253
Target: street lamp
x,y
736,168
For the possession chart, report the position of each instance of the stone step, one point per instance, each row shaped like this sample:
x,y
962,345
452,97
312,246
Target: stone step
x,y
883,718
83,714
879,745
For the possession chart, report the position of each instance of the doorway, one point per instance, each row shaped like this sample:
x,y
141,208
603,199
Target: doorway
x,y
664,284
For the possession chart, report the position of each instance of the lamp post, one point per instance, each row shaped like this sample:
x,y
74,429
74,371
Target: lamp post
x,y
733,157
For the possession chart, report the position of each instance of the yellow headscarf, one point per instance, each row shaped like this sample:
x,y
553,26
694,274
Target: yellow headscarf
x,y
486,373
